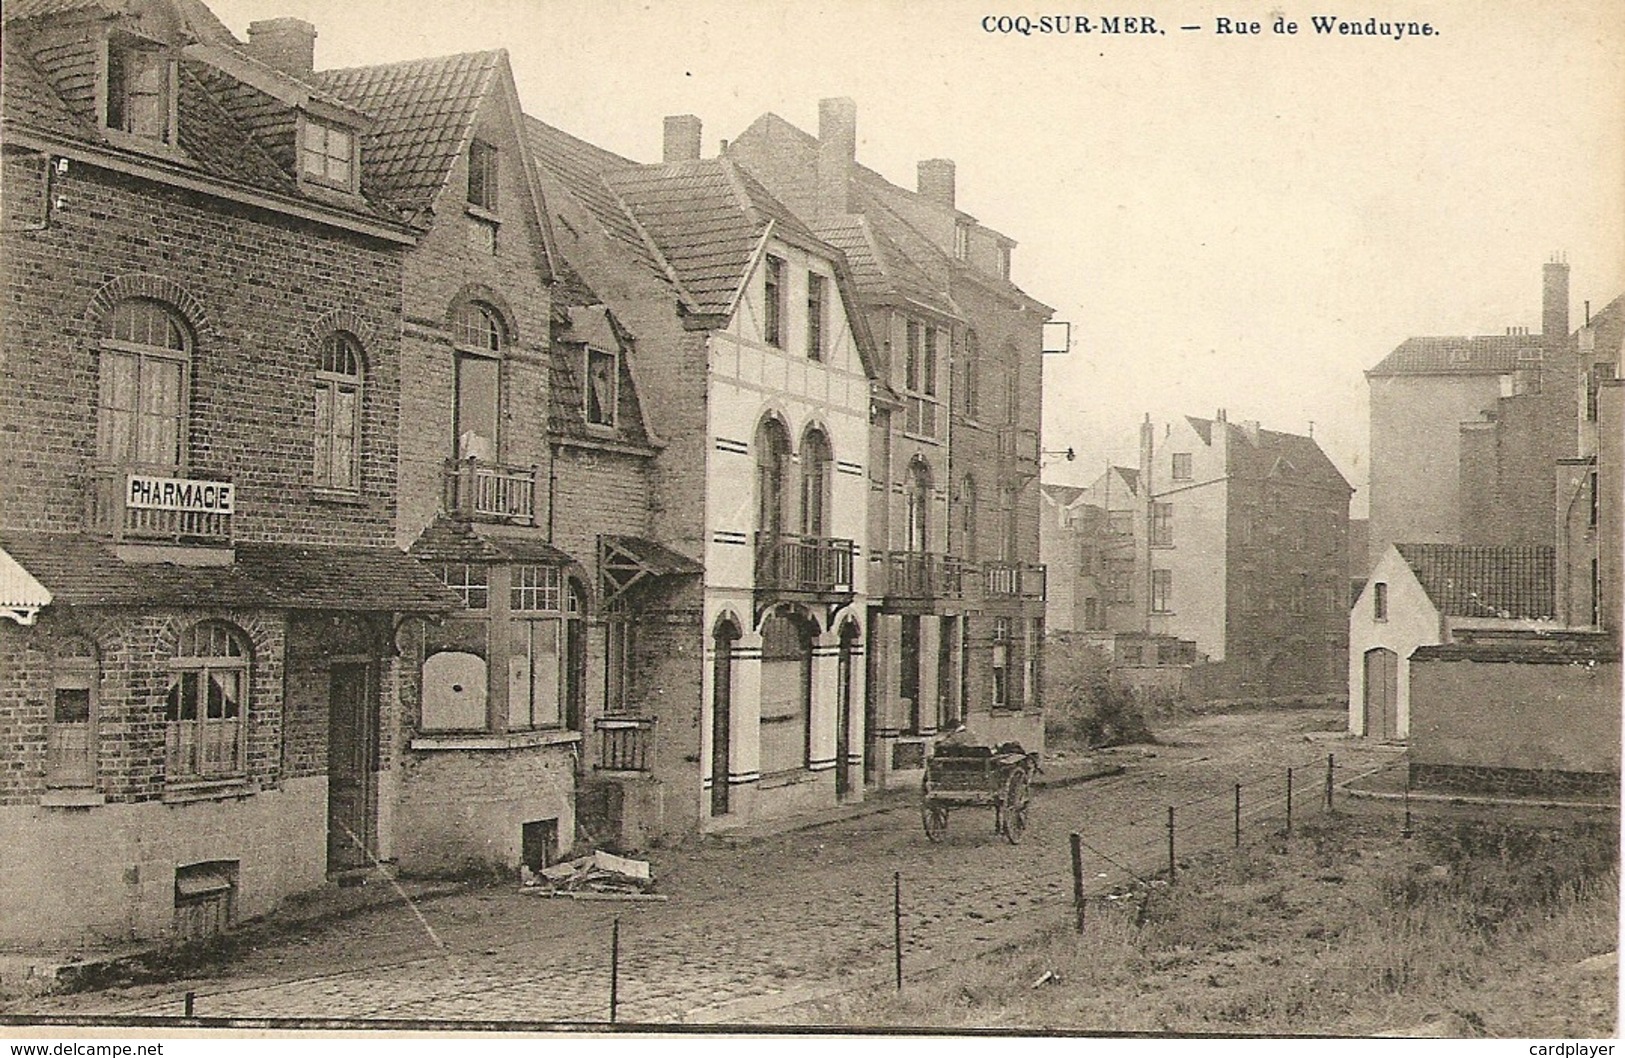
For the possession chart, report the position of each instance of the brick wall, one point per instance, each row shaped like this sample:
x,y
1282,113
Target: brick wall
x,y
597,491
258,295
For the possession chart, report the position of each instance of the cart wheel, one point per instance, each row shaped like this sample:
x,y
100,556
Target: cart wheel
x,y
935,818
1016,797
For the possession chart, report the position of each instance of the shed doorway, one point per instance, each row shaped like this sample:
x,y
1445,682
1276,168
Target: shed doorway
x,y
1381,693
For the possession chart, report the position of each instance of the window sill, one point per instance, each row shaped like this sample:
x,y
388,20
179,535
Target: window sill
x,y
342,496
479,212
211,790
72,797
778,780
488,741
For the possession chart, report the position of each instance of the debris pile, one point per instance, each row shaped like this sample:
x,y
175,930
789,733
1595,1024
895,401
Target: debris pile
x,y
600,876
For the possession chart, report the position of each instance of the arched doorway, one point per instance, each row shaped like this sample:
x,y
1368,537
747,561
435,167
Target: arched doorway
x,y
1381,693
722,647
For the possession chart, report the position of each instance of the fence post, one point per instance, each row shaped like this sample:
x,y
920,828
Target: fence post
x,y
897,923
1407,832
1330,764
191,998
614,968
1289,803
1170,844
1077,877
1238,815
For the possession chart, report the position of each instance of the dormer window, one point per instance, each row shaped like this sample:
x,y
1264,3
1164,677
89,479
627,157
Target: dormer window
x,y
327,155
602,386
140,90
1004,262
962,241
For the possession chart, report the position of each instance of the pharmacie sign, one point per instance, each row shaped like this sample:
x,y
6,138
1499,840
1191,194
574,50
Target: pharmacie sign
x,y
179,494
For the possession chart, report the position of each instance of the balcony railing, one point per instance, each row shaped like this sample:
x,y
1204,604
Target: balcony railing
x,y
817,565
1019,445
625,743
128,505
923,575
1020,580
490,491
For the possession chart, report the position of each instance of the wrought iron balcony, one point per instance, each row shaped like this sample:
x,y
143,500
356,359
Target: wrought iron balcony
x,y
625,743
807,565
1019,580
924,575
485,491
128,505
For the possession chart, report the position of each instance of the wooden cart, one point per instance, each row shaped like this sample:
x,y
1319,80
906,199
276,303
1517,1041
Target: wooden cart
x,y
964,776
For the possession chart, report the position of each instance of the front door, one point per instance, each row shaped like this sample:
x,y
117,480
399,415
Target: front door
x,y
1381,693
721,717
843,714
352,767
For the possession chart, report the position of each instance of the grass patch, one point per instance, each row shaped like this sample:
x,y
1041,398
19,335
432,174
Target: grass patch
x,y
1348,929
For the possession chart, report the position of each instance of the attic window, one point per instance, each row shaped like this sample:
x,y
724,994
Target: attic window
x,y
140,90
482,176
602,387
1004,262
327,155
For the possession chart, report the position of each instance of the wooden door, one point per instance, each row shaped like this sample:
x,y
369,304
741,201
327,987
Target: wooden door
x,y
1381,693
721,717
352,767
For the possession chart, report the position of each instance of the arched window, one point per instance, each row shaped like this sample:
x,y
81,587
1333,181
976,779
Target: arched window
x,y
772,472
967,519
479,335
816,464
338,415
146,352
207,701
723,638
918,496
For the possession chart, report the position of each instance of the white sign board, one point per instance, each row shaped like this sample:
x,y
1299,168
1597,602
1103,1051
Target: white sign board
x,y
178,494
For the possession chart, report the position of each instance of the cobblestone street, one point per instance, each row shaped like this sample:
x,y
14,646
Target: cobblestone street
x,y
752,927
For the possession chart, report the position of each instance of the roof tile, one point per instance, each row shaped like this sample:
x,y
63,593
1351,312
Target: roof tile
x,y
1469,580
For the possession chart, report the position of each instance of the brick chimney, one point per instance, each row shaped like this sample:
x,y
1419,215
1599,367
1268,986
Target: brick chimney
x,y
682,140
288,44
1554,300
936,181
837,152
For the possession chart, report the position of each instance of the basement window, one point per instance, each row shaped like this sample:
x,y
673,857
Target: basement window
x,y
205,899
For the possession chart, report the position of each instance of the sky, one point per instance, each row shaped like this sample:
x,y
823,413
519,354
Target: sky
x,y
1226,220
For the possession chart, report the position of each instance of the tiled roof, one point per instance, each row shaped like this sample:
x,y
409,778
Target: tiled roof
x,y
83,571
1468,580
579,167
706,218
657,558
1256,453
880,268
423,115
451,540
28,99
218,145
16,10
1489,354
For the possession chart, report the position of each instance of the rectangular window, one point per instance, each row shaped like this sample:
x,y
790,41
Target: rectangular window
x,y
603,387
1120,580
911,362
1120,523
535,587
478,380
535,673
961,241
138,91
773,305
1182,466
482,176
930,362
815,316
141,409
70,748
327,154
1162,591
469,582
1162,525
1001,663
1134,655
1004,262
908,685
1379,601
1033,636
1596,502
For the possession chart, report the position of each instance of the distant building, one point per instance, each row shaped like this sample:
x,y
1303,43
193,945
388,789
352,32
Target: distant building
x,y
1227,535
1465,430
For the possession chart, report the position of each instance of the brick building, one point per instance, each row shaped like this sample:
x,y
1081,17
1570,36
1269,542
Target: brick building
x,y
201,395
1229,536
957,613
1465,431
